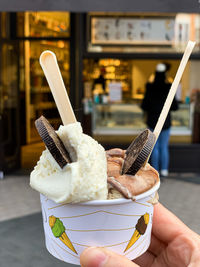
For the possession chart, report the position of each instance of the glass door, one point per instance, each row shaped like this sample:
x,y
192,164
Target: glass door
x,y
41,31
9,108
39,100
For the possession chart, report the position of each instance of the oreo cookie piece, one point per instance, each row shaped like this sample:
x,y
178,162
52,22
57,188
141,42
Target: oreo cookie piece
x,y
138,152
52,141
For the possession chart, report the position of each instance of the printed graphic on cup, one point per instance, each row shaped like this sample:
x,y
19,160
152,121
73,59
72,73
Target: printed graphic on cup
x,y
121,225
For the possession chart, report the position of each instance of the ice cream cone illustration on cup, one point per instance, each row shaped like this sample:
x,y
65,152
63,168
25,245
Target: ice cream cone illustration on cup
x,y
58,231
140,229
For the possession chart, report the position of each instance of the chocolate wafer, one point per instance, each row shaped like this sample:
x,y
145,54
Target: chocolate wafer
x,y
52,141
138,152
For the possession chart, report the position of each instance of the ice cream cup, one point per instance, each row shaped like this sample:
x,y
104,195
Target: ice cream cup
x,y
121,225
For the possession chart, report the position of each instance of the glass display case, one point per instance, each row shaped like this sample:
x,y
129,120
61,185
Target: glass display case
x,y
128,119
117,119
182,120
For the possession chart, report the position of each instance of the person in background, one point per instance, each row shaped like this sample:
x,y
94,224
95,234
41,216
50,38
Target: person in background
x,y
99,87
101,79
152,104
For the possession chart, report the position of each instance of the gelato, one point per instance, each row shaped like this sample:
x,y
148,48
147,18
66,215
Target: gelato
x,y
129,185
82,180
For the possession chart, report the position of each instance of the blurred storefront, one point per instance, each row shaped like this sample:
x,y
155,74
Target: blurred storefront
x,y
25,94
138,44
105,60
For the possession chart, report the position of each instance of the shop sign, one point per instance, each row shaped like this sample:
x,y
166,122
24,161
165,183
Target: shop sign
x,y
132,30
115,92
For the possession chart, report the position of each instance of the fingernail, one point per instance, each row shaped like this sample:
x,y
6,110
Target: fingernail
x,y
94,257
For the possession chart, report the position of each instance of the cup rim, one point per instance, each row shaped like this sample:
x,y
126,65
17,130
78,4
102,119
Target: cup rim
x,y
118,201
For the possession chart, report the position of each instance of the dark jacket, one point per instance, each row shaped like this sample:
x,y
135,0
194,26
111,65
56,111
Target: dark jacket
x,y
154,99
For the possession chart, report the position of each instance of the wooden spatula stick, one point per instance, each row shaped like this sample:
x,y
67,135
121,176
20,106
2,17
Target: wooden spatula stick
x,y
173,88
51,70
172,92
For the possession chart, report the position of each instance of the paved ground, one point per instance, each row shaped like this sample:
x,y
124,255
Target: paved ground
x,y
182,198
17,198
21,233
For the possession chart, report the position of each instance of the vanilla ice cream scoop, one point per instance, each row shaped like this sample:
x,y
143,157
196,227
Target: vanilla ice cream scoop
x,y
82,180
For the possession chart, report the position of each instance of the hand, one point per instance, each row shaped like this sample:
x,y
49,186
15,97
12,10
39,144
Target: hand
x,y
173,244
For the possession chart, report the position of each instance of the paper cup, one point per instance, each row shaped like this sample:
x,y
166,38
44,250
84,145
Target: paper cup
x,y
102,223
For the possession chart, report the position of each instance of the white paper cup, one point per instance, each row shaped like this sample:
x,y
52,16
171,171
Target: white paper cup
x,y
101,223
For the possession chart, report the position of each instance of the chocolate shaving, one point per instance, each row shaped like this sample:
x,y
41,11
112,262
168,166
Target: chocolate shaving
x,y
119,187
115,152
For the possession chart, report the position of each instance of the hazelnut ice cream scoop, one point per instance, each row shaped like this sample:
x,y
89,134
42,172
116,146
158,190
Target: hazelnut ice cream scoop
x,y
129,185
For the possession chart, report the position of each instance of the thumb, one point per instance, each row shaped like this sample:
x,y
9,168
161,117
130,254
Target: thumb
x,y
100,257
